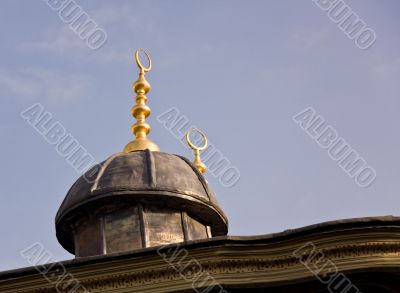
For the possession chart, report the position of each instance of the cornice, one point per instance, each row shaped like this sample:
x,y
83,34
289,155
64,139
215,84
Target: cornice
x,y
230,263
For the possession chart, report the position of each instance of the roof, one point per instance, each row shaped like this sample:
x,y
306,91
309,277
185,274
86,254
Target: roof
x,y
360,248
139,172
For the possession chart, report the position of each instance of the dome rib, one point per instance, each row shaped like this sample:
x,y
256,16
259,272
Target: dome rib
x,y
102,170
152,168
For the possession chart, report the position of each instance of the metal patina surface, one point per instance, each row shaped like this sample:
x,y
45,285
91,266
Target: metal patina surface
x,y
135,200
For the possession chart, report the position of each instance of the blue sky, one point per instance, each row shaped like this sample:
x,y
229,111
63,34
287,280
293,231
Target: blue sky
x,y
239,70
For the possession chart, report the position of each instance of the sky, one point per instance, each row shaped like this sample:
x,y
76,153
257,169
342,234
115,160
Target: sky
x,y
238,70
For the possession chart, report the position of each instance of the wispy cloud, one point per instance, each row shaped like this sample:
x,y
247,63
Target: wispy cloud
x,y
56,41
385,77
386,70
62,41
44,84
309,39
114,15
18,85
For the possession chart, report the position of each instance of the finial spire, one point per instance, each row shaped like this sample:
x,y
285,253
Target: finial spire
x,y
141,111
197,160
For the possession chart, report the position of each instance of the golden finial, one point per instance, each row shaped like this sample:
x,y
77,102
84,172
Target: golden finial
x,y
197,160
141,111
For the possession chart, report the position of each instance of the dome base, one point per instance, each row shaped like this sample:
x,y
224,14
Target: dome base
x,y
141,145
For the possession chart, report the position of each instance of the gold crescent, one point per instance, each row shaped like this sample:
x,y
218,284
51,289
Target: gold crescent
x,y
144,69
194,147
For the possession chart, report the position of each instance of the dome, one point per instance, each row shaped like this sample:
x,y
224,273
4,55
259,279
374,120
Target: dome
x,y
140,197
137,184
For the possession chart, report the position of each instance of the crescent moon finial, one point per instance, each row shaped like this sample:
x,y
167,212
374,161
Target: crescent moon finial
x,y
141,111
197,160
139,64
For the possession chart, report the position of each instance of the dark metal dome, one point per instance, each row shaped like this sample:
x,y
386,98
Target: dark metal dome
x,y
144,179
